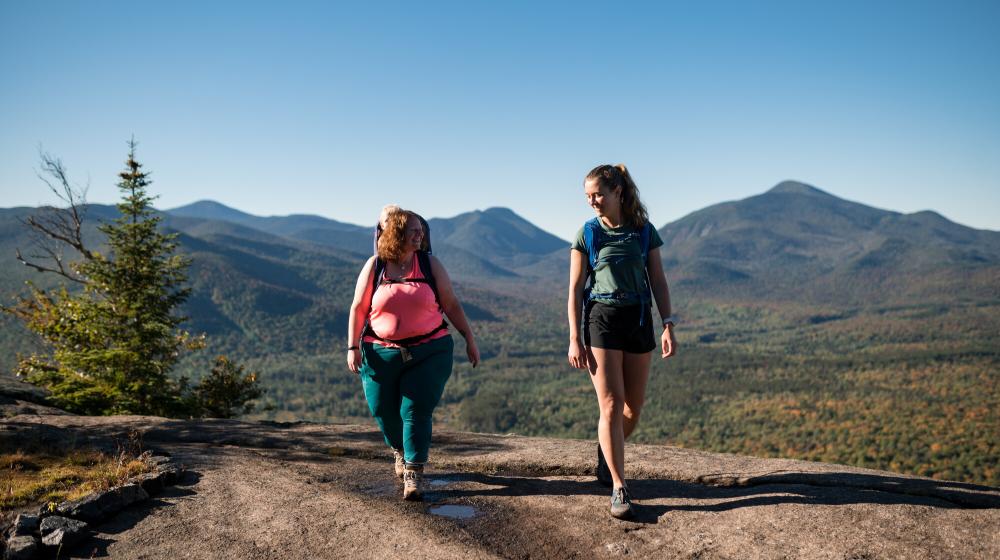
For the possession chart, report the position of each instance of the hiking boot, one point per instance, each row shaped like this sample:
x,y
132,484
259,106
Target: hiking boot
x,y
399,463
621,504
602,471
412,483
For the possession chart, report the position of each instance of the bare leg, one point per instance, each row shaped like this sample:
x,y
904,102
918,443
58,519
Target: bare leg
x,y
606,374
635,374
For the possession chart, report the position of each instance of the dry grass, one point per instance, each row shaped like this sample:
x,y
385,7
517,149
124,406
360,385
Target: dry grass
x,y
47,476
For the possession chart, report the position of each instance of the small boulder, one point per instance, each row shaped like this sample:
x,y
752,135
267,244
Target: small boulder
x,y
21,547
152,482
25,525
158,460
96,507
62,531
171,474
132,494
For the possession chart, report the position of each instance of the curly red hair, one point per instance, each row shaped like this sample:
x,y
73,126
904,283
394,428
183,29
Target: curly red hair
x,y
393,239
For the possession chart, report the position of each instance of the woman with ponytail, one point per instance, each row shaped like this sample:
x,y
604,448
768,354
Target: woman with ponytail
x,y
610,322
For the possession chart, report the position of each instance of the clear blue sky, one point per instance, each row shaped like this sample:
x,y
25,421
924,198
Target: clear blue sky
x,y
338,108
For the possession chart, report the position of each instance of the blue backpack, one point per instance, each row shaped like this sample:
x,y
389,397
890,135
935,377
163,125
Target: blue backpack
x,y
594,238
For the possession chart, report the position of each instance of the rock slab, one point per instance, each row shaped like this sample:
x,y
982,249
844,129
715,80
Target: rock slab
x,y
289,491
25,525
96,507
62,531
22,547
152,482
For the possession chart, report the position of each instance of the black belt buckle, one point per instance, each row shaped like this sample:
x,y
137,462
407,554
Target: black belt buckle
x,y
405,354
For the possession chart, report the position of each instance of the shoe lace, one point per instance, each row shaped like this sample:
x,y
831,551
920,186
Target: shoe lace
x,y
621,496
411,477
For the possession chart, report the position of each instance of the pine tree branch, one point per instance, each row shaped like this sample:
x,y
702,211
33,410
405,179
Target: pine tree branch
x,y
60,270
60,225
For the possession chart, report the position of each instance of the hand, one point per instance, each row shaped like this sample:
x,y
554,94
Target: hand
x,y
472,351
577,354
667,341
354,360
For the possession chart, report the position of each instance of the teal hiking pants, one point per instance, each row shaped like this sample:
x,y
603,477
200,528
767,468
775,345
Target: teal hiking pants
x,y
402,394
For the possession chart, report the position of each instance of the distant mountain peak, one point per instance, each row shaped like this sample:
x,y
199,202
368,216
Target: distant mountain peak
x,y
206,204
497,231
209,209
928,214
796,187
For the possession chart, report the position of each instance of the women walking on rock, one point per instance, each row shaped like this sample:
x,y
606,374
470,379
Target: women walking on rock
x,y
610,323
399,343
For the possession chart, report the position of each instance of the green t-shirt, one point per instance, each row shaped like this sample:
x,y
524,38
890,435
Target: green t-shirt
x,y
627,278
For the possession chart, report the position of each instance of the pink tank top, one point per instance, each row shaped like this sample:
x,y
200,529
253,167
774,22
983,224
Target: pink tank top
x,y
404,309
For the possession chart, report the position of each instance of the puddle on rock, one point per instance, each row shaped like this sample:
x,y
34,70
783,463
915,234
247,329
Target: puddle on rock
x,y
454,512
438,482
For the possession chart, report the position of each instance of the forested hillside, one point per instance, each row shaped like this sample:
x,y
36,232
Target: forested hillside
x,y
810,327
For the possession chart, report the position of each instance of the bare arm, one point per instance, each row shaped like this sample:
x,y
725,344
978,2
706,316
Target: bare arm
x,y
359,311
453,309
661,293
577,354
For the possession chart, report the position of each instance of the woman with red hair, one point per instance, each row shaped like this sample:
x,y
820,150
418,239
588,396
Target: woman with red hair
x,y
399,343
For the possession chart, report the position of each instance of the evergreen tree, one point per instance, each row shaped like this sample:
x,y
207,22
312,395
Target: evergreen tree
x,y
114,343
227,392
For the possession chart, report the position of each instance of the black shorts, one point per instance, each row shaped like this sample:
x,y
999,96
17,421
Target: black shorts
x,y
617,328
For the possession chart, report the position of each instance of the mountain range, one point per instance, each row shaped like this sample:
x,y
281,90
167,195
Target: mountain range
x,y
285,283
793,241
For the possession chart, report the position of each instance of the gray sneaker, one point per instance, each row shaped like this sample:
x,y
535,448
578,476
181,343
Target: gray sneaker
x,y
399,463
412,483
602,471
621,504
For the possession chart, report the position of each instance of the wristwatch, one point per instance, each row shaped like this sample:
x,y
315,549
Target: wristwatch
x,y
669,319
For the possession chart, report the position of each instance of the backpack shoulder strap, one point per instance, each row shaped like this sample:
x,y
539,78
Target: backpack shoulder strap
x,y
377,273
427,233
593,240
424,260
378,269
644,237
